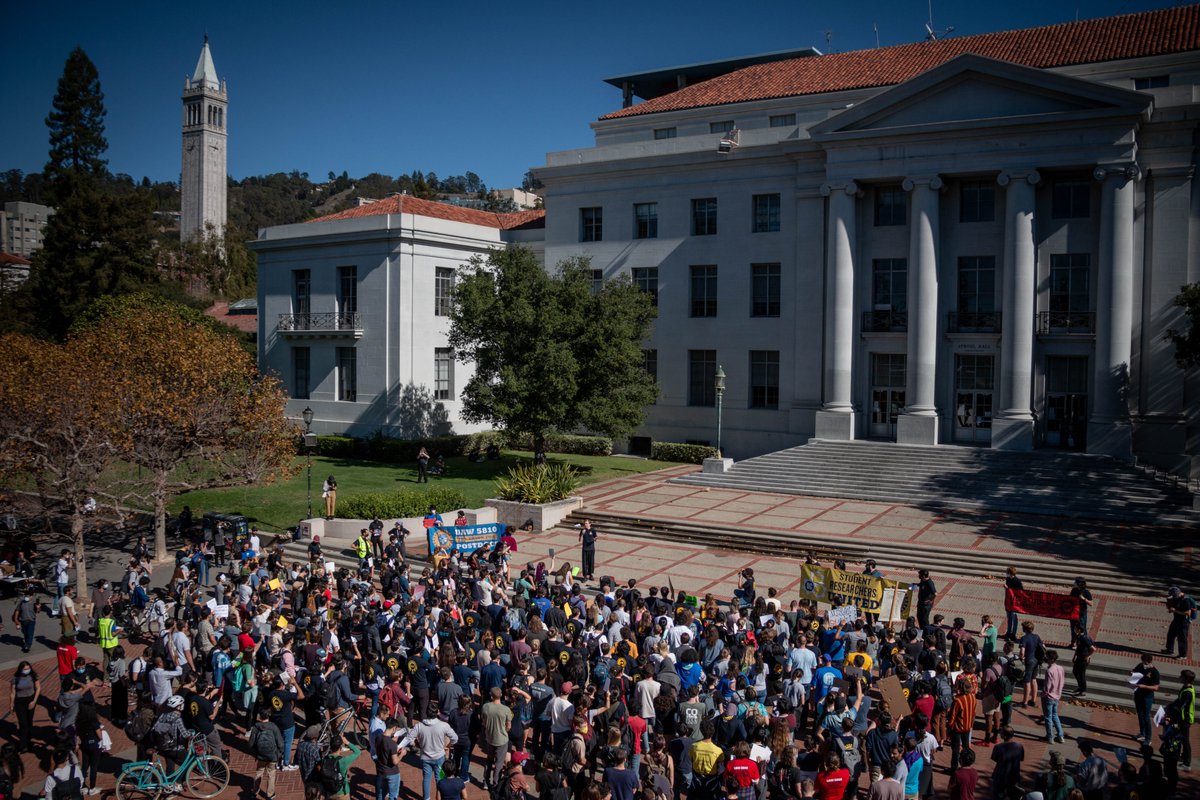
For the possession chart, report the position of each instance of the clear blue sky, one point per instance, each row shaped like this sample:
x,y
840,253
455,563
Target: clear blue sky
x,y
394,86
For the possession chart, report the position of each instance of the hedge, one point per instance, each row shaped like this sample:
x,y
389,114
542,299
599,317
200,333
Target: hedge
x,y
399,451
682,453
566,443
404,503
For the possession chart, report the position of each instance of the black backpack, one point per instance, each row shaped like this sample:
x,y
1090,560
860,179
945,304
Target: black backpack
x,y
329,693
68,788
330,773
158,647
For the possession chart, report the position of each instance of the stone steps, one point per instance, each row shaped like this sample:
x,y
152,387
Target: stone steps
x,y
1074,485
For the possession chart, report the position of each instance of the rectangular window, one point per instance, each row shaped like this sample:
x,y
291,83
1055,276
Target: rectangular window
x,y
443,292
347,292
664,133
597,281
301,292
1071,200
976,285
702,372
1070,283
704,216
766,213
591,224
977,202
704,290
783,120
443,374
347,374
889,284
646,279
764,379
300,373
1152,82
650,364
891,206
724,126
765,282
645,220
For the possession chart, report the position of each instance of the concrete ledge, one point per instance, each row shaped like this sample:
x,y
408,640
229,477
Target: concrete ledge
x,y
1113,438
917,429
836,425
1014,435
718,465
345,531
544,516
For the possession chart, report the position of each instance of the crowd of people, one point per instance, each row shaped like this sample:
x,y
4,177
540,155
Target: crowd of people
x,y
521,681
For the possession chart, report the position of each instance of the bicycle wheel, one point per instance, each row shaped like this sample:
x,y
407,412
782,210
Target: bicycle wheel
x,y
207,777
139,783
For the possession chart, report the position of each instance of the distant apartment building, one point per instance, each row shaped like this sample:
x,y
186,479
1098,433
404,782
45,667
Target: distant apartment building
x,y
21,227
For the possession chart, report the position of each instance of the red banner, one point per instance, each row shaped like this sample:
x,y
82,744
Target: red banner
x,y
1041,604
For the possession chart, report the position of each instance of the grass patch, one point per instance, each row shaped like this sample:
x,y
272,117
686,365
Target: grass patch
x,y
278,505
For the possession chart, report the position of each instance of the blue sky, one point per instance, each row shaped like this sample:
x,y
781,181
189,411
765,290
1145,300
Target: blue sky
x,y
393,86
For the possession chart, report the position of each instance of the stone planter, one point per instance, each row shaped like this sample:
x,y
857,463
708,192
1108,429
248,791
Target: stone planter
x,y
544,516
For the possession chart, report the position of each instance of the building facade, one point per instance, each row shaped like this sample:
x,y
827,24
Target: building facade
x,y
21,227
204,182
973,240
353,311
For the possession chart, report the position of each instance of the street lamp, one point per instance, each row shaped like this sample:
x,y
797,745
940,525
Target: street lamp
x,y
719,385
307,416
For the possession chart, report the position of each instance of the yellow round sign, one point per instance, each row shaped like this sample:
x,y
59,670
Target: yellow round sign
x,y
564,656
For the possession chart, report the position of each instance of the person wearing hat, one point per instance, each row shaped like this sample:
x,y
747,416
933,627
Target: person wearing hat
x,y
1055,783
308,752
1183,609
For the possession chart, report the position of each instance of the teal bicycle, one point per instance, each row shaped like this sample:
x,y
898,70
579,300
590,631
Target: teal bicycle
x,y
202,774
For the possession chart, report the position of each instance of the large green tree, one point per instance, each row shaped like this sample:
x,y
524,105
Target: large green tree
x,y
1187,340
551,353
76,123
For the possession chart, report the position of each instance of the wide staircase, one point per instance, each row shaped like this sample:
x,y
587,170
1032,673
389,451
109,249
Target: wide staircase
x,y
1074,485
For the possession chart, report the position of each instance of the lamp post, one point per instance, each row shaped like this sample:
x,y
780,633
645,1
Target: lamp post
x,y
307,416
719,385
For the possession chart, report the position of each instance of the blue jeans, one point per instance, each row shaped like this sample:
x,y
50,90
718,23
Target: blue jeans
x,y
429,770
288,735
58,595
462,754
374,695
1145,708
1053,723
1010,618
202,569
387,787
27,630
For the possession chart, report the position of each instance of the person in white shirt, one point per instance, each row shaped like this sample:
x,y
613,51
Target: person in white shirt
x,y
62,577
647,689
181,646
255,542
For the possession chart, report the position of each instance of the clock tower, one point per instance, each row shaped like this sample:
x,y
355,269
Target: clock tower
x,y
203,180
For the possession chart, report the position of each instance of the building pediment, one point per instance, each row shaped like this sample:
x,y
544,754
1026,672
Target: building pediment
x,y
973,91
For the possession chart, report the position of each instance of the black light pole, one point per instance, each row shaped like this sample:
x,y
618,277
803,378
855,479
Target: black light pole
x,y
307,416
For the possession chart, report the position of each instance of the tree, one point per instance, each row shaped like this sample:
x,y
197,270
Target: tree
x,y
194,410
76,124
1187,342
551,355
55,425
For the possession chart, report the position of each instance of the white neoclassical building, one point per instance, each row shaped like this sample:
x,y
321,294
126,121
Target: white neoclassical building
x,y
971,240
353,311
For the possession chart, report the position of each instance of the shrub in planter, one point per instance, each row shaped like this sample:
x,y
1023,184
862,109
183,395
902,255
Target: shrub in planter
x,y
405,503
537,484
682,453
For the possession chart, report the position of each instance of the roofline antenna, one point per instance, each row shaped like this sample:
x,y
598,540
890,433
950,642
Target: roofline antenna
x,y
932,35
828,40
875,25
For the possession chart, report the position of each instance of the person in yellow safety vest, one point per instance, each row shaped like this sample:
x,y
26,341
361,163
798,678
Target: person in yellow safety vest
x,y
107,634
362,548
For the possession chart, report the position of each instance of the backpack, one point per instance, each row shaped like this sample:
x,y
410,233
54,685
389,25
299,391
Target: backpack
x,y
943,693
1002,688
137,728
1039,652
68,788
159,647
600,673
263,744
165,740
329,693
570,759
1016,671
329,771
851,756
237,677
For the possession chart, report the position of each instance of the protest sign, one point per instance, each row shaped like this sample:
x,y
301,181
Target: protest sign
x,y
465,538
1041,604
842,615
281,622
221,612
893,693
273,583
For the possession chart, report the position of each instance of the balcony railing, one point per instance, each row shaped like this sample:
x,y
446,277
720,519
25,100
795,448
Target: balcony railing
x,y
885,321
1067,323
320,321
973,322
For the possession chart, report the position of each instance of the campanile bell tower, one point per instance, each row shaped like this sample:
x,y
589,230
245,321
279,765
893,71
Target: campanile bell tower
x,y
203,180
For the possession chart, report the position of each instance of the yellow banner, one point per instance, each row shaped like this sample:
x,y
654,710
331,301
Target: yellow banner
x,y
828,585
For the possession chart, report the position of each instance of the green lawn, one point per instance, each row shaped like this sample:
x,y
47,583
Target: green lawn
x,y
279,505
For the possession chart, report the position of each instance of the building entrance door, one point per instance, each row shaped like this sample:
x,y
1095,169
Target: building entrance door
x,y
888,376
973,383
1066,402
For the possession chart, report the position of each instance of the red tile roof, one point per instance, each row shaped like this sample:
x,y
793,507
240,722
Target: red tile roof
x,y
14,260
246,323
427,208
1170,30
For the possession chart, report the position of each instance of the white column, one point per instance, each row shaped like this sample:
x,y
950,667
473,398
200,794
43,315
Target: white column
x,y
919,422
1013,427
1108,424
836,418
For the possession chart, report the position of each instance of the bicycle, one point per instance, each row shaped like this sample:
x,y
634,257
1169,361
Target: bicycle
x,y
201,775
352,717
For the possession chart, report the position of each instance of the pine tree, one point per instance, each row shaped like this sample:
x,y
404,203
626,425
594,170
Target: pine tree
x,y
76,125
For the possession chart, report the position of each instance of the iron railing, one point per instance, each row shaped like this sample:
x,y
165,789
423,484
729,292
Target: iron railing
x,y
884,321
973,322
321,321
1070,323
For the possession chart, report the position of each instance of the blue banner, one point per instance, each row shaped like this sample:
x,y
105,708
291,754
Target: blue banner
x,y
465,538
